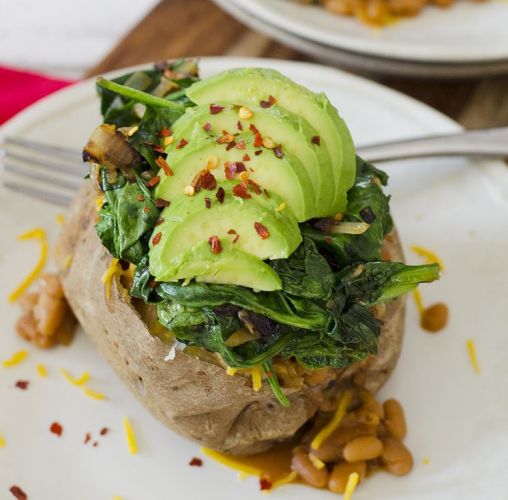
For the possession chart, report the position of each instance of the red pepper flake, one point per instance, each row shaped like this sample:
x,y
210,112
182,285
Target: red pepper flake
x,y
239,125
161,203
254,185
233,168
164,165
268,103
269,374
225,138
18,493
316,140
261,230
104,431
156,239
246,157
215,109
240,145
22,384
140,197
231,231
328,240
155,147
153,284
240,190
165,132
215,244
154,181
146,210
220,194
277,151
208,203
87,438
159,221
258,152
196,462
258,140
207,127
230,146
56,429
204,179
264,484
182,144
95,444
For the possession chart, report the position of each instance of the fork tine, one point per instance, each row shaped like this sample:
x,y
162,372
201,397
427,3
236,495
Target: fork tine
x,y
45,148
41,194
67,168
54,180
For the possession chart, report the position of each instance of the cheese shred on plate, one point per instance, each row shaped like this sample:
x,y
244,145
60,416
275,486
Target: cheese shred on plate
x,y
2,441
39,235
471,350
352,483
334,423
41,370
130,436
232,463
83,379
93,394
429,256
15,359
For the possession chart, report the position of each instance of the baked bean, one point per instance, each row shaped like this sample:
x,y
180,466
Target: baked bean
x,y
435,317
306,469
363,448
341,472
397,459
395,421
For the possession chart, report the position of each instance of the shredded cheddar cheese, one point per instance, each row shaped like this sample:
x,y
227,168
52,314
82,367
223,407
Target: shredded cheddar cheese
x,y
2,441
256,373
67,262
39,235
232,463
429,256
417,296
108,275
130,436
60,218
41,370
351,485
92,394
316,462
281,207
231,371
426,461
15,359
334,423
83,379
285,480
472,355
99,201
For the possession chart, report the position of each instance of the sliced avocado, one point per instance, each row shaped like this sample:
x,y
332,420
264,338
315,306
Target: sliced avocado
x,y
283,175
253,85
231,266
291,131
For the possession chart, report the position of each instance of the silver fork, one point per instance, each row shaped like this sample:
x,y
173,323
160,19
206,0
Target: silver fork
x,y
54,173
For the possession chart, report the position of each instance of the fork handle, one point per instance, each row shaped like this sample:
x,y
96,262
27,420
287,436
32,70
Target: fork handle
x,y
492,142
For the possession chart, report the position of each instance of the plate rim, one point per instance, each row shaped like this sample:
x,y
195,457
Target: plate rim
x,y
393,51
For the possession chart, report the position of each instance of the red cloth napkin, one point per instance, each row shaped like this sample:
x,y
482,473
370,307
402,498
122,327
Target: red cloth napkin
x,y
19,89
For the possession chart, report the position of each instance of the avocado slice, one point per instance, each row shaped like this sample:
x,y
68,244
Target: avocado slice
x,y
232,266
253,85
255,226
284,175
293,132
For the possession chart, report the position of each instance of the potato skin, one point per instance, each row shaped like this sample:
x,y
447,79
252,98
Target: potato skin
x,y
192,397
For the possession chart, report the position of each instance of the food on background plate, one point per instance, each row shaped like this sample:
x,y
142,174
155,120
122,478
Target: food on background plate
x,y
378,12
227,258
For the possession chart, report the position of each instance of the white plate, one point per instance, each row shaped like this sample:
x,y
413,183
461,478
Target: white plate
x,y
466,32
456,417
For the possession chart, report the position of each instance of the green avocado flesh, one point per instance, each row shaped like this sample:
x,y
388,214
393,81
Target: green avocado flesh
x,y
284,176
253,85
292,132
188,223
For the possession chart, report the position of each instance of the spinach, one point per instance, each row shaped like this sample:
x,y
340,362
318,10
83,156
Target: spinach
x,y
127,218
